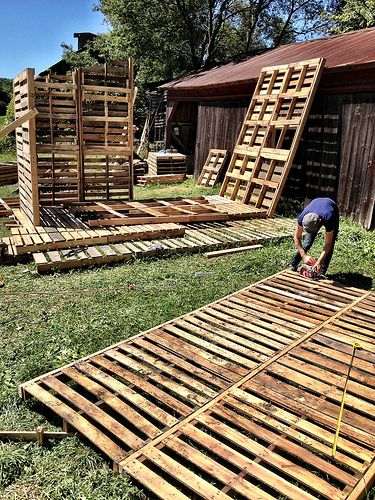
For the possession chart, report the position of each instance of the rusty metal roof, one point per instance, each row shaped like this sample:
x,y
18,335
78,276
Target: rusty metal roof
x,y
353,49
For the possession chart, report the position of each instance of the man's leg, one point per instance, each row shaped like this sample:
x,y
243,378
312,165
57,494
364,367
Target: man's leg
x,y
328,258
308,240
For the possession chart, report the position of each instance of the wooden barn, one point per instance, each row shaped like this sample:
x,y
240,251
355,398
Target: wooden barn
x,y
336,154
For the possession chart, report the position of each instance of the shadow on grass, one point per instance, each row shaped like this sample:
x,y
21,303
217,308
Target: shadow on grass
x,y
356,280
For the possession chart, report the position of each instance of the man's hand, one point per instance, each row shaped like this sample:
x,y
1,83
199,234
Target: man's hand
x,y
318,267
308,260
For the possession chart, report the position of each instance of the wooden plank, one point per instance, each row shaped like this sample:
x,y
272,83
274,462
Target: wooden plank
x,y
31,113
229,251
262,159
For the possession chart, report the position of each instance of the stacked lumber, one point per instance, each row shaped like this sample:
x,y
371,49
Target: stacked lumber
x,y
7,205
166,163
8,173
139,170
147,180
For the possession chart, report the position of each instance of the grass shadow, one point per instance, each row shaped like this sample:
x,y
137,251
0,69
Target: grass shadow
x,y
356,280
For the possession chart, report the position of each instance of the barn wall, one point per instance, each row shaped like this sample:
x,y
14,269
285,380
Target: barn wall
x,y
218,127
356,189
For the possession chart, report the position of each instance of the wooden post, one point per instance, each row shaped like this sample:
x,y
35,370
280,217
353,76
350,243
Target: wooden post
x,y
77,80
130,126
33,153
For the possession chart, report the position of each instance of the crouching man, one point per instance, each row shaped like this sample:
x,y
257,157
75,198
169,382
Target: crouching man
x,y
320,212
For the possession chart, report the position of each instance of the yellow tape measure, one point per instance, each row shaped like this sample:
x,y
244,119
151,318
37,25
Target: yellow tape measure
x,y
356,345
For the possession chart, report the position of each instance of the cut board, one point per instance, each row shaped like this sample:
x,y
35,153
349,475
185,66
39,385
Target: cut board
x,y
213,167
270,134
238,397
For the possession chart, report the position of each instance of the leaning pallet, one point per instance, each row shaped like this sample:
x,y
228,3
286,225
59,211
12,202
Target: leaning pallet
x,y
239,397
270,134
213,167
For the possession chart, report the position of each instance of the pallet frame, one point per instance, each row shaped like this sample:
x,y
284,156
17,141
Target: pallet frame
x,y
293,313
270,134
79,146
214,165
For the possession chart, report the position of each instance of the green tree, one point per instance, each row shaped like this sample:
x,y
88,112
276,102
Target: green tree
x,y
168,39
351,15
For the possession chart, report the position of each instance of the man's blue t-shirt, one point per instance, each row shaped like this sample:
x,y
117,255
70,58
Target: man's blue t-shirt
x,y
327,211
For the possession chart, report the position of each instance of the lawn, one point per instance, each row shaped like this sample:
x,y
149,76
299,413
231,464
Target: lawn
x,y
48,321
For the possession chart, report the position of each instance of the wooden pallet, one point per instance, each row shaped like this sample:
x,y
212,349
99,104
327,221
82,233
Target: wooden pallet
x,y
61,230
8,173
147,180
239,397
198,237
166,163
7,205
213,167
270,134
79,145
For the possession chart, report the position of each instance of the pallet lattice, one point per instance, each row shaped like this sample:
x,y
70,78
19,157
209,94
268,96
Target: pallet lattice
x,y
166,163
198,237
213,167
270,134
78,147
240,397
8,173
24,101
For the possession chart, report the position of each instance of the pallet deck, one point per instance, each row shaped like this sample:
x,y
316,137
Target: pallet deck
x,y
239,397
198,237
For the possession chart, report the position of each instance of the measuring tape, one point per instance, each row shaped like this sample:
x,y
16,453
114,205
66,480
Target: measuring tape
x,y
356,345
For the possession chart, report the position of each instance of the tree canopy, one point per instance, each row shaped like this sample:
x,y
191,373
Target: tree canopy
x,y
351,15
168,39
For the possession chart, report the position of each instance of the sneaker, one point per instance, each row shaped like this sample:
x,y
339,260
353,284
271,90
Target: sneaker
x,y
292,268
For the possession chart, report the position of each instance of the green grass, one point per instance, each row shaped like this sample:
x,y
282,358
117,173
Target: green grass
x,y
186,188
70,315
7,155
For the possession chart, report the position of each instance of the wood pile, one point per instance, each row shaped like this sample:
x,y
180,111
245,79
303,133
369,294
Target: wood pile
x,y
147,180
139,170
8,173
166,163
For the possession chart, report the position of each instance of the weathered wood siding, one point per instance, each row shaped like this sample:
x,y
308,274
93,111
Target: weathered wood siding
x,y
218,127
356,190
335,158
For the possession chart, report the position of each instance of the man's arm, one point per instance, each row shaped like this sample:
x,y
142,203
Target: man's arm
x,y
327,247
298,243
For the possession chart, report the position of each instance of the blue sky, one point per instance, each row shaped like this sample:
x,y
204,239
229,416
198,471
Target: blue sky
x,y
31,31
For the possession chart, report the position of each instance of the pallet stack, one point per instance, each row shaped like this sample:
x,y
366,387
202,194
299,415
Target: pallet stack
x,y
166,163
147,180
8,173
